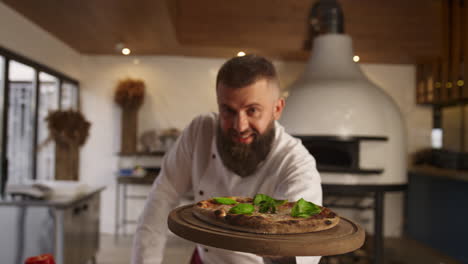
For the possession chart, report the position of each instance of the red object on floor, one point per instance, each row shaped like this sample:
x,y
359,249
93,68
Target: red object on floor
x,y
196,258
41,259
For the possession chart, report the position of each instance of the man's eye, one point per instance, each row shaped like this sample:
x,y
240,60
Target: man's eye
x,y
227,111
253,111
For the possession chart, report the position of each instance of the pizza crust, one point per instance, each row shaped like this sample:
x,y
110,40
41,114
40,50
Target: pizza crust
x,y
263,223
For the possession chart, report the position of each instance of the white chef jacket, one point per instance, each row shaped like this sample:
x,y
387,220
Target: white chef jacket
x,y
193,163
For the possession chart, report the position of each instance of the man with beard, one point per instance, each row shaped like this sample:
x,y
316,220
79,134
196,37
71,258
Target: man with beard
x,y
241,151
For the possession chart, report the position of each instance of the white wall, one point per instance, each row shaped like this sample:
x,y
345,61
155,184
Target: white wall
x,y
29,40
177,89
399,82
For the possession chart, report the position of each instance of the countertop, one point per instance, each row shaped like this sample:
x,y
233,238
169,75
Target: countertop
x,y
59,202
427,170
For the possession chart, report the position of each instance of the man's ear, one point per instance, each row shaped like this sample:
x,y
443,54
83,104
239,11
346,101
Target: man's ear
x,y
279,106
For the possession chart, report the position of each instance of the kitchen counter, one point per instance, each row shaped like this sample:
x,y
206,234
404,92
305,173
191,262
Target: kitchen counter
x,y
448,174
58,201
66,226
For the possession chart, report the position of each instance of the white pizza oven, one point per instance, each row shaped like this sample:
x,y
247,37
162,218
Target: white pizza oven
x,y
356,133
353,128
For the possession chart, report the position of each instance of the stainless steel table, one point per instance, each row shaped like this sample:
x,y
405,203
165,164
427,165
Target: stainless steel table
x,y
65,226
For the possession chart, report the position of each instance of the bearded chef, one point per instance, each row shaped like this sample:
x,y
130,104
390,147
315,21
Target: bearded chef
x,y
240,151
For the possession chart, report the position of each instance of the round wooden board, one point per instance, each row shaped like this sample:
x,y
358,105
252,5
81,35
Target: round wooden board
x,y
343,238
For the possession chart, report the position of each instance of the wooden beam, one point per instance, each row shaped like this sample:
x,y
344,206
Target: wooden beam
x,y
445,86
465,48
455,49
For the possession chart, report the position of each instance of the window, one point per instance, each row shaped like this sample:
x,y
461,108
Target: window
x,y
20,126
69,98
48,101
28,91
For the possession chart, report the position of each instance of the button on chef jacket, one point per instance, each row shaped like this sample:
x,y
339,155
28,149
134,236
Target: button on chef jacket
x,y
193,164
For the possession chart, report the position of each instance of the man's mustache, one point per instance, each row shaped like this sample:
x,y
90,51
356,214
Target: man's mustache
x,y
234,133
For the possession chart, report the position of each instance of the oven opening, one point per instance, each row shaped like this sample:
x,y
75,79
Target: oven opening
x,y
337,154
333,155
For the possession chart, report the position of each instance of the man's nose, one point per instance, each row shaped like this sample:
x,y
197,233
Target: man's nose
x,y
241,123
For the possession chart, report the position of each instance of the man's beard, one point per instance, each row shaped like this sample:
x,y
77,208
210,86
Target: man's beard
x,y
243,159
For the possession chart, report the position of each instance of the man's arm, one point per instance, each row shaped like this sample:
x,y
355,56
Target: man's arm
x,y
301,180
173,181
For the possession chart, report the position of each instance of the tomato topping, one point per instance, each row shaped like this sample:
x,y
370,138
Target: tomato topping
x,y
41,259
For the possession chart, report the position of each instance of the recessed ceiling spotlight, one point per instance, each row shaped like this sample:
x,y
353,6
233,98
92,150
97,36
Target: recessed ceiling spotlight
x,y
240,54
120,47
126,51
356,58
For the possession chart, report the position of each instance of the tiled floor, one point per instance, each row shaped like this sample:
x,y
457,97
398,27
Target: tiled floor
x,y
179,251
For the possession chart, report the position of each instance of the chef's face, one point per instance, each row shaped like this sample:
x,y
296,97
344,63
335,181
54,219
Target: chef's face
x,y
248,112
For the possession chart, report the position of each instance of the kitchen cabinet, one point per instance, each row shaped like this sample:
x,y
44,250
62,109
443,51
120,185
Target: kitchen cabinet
x,y
436,209
67,227
81,231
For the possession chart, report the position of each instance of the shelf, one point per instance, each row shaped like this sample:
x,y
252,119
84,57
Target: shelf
x,y
330,169
140,154
341,138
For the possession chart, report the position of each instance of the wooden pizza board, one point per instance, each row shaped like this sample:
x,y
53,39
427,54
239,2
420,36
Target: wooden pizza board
x,y
343,238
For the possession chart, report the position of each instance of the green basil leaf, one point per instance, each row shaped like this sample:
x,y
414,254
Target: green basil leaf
x,y
305,209
261,198
303,215
264,207
224,200
280,202
266,203
242,208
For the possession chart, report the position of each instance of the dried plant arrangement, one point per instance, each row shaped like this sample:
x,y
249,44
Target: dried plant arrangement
x,y
68,127
130,93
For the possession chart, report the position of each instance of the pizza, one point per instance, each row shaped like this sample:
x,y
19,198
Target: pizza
x,y
265,215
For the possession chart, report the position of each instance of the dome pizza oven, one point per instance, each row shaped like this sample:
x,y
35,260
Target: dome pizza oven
x,y
353,128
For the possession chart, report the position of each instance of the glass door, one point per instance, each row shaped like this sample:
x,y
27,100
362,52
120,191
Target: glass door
x,y
48,101
20,124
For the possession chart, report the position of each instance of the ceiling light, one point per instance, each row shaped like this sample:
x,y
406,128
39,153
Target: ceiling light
x,y
120,47
356,58
240,54
126,51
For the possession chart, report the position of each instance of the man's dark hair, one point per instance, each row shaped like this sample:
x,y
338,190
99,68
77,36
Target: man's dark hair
x,y
242,71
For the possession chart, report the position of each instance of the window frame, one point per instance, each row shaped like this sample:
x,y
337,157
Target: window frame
x,y
37,67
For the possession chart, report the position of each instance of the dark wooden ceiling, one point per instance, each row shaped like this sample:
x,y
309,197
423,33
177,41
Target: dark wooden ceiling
x,y
383,31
